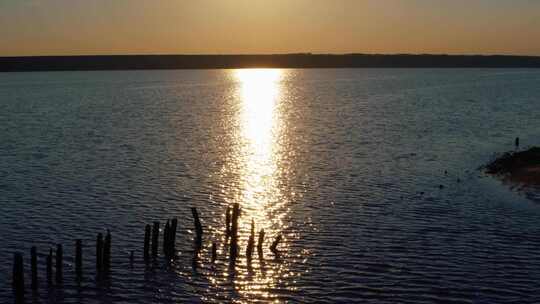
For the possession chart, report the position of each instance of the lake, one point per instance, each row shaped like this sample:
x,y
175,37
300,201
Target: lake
x,y
347,165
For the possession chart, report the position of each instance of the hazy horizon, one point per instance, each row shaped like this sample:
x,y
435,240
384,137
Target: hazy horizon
x,y
274,54
60,27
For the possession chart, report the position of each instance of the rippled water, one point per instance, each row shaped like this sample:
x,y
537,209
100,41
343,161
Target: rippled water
x,y
345,164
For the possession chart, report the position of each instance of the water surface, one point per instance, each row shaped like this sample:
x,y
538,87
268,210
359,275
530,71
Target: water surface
x,y
345,164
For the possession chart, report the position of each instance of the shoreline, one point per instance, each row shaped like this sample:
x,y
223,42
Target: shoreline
x,y
297,61
521,167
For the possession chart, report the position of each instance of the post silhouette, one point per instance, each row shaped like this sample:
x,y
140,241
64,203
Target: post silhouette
x,y
172,240
214,252
18,277
260,243
274,245
228,222
99,253
147,232
166,238
78,259
251,242
198,225
49,269
33,266
155,239
234,232
59,264
107,252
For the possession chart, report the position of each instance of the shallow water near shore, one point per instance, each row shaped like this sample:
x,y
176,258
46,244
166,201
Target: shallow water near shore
x,y
345,164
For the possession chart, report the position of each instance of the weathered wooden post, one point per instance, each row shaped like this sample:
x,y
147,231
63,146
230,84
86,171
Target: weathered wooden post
x,y
174,225
274,245
107,252
214,252
146,252
33,267
260,243
99,253
49,267
18,277
251,242
228,222
59,264
155,239
198,226
234,232
166,239
78,259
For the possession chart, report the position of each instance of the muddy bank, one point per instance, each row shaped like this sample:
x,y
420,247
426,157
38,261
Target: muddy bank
x,y
522,166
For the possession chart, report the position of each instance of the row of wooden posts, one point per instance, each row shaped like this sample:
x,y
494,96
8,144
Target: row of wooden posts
x,y
150,249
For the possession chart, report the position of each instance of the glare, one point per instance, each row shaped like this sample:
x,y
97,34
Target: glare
x,y
259,90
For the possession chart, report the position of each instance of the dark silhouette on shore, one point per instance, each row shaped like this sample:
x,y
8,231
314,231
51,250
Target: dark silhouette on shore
x,y
153,62
519,166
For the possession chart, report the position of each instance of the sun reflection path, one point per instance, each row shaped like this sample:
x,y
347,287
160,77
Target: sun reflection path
x,y
258,154
260,128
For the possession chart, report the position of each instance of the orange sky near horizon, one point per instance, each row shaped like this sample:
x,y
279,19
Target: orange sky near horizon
x,y
76,27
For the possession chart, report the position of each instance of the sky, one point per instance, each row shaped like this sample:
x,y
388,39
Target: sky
x,y
77,27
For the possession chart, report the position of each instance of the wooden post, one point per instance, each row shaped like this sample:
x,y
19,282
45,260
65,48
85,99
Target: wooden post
x,y
18,277
274,245
59,265
166,239
99,253
198,226
214,252
260,243
49,267
234,232
147,232
251,242
107,252
174,225
78,258
131,257
33,266
155,239
228,222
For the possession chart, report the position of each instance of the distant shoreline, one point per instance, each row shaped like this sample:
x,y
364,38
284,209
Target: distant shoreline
x,y
173,62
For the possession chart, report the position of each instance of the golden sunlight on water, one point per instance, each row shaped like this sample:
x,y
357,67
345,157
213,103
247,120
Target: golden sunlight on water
x,y
259,149
256,159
